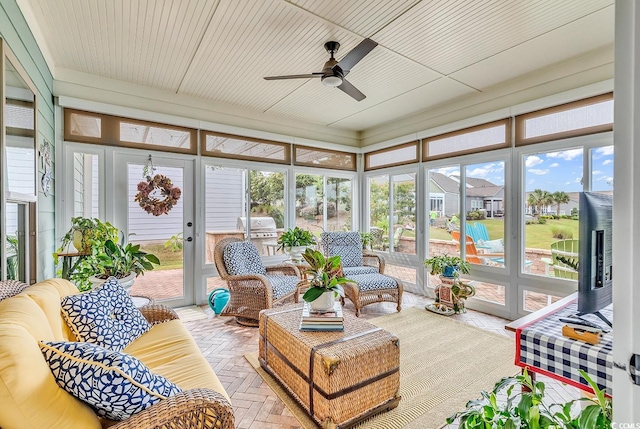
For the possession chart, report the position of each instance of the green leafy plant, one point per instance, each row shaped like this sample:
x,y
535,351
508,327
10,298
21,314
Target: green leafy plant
x,y
295,237
572,262
90,232
439,263
367,239
561,233
175,243
120,261
529,410
324,274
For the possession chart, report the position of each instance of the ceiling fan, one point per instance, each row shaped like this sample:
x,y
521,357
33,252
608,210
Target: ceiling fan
x,y
333,73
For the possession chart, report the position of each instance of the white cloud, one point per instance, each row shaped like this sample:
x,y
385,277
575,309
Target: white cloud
x,y
578,180
478,172
596,172
604,151
533,160
447,170
607,161
554,165
531,182
538,171
567,155
567,183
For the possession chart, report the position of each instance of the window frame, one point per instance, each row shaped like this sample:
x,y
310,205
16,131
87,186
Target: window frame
x,y
507,142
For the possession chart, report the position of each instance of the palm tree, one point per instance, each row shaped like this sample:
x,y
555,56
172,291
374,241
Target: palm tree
x,y
546,200
559,198
538,199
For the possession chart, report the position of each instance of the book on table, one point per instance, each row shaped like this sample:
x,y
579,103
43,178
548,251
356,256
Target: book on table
x,y
331,320
333,315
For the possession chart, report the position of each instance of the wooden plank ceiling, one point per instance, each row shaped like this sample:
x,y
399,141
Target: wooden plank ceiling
x,y
429,53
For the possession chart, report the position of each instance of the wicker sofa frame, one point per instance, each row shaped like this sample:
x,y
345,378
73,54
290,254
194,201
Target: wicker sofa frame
x,y
249,294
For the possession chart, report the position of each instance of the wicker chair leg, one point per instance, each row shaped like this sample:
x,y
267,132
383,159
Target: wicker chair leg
x,y
245,321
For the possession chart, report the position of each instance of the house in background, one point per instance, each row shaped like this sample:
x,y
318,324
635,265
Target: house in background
x,y
444,195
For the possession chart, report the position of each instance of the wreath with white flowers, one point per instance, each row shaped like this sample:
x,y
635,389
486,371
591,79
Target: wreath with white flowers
x,y
152,204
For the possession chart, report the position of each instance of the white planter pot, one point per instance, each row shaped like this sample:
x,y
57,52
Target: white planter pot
x,y
324,302
125,282
295,253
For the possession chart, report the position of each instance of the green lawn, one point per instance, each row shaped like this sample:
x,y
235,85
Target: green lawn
x,y
538,236
168,260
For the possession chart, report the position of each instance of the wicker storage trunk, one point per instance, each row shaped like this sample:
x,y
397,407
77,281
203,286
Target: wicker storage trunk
x,y
339,378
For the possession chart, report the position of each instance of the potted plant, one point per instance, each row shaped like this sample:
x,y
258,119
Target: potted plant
x,y
86,233
367,240
294,241
530,409
324,280
447,266
452,292
122,262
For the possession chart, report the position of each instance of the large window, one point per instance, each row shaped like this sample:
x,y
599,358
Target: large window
x,y
323,203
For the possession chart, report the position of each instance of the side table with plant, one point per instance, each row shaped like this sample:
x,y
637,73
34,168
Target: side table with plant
x,y
122,262
294,241
452,292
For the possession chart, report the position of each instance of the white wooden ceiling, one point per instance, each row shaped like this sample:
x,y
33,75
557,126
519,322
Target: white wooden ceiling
x,y
429,53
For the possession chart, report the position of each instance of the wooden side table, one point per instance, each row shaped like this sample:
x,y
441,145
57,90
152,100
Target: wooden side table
x,y
68,263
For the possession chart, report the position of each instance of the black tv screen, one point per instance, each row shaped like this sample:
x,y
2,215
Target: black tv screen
x,y
594,269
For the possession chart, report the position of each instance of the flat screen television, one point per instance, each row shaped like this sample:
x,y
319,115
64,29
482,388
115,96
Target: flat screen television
x,y
594,268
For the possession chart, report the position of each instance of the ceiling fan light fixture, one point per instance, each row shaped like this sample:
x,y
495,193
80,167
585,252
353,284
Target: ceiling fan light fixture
x,y
332,81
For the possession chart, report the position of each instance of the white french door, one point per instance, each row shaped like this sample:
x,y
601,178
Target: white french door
x,y
169,236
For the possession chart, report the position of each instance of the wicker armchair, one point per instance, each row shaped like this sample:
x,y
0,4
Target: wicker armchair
x,y
190,409
369,284
252,286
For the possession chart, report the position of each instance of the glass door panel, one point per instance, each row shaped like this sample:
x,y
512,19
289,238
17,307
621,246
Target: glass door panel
x,y
309,202
169,236
338,214
404,213
86,186
379,212
267,209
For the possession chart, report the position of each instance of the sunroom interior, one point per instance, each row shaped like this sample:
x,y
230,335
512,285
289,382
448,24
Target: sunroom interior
x,y
487,119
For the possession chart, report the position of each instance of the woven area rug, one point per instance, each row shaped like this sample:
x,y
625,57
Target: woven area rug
x,y
443,364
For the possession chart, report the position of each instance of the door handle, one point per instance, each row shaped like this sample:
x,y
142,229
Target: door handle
x,y
189,239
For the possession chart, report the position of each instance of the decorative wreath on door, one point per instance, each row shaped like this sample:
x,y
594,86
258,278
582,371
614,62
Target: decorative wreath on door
x,y
150,203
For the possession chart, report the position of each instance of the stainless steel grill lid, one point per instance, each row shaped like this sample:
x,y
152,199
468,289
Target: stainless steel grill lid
x,y
261,227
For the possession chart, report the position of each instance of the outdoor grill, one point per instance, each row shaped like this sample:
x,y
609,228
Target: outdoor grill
x,y
262,233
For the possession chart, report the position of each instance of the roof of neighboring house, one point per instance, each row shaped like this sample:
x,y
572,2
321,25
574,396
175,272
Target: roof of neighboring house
x,y
479,183
445,183
486,191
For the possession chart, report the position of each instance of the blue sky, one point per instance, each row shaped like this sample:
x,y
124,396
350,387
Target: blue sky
x,y
550,171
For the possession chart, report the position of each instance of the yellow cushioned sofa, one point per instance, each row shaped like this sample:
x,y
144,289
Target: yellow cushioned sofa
x,y
31,398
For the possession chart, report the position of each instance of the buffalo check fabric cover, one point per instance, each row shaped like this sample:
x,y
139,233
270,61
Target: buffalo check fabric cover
x,y
105,316
115,384
542,346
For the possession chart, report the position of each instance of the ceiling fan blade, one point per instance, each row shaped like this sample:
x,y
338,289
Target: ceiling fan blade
x,y
294,76
356,54
351,90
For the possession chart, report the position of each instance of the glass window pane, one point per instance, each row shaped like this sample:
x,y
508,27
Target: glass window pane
x,y
85,185
485,214
154,135
405,154
590,115
404,213
379,212
267,202
314,157
553,181
85,125
224,205
444,212
228,146
602,169
467,141
338,204
309,202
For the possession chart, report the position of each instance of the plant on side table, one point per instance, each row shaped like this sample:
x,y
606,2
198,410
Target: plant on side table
x,y
452,292
294,241
122,262
529,410
324,280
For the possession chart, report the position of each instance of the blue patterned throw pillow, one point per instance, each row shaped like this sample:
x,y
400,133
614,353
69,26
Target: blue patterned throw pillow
x,y
105,316
115,384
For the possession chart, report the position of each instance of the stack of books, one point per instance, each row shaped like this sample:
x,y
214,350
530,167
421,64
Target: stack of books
x,y
331,320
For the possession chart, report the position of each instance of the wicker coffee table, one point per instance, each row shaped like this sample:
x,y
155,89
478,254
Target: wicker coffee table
x,y
339,378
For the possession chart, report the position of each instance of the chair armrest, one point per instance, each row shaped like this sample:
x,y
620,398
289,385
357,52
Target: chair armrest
x,y
283,269
373,260
158,313
190,409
